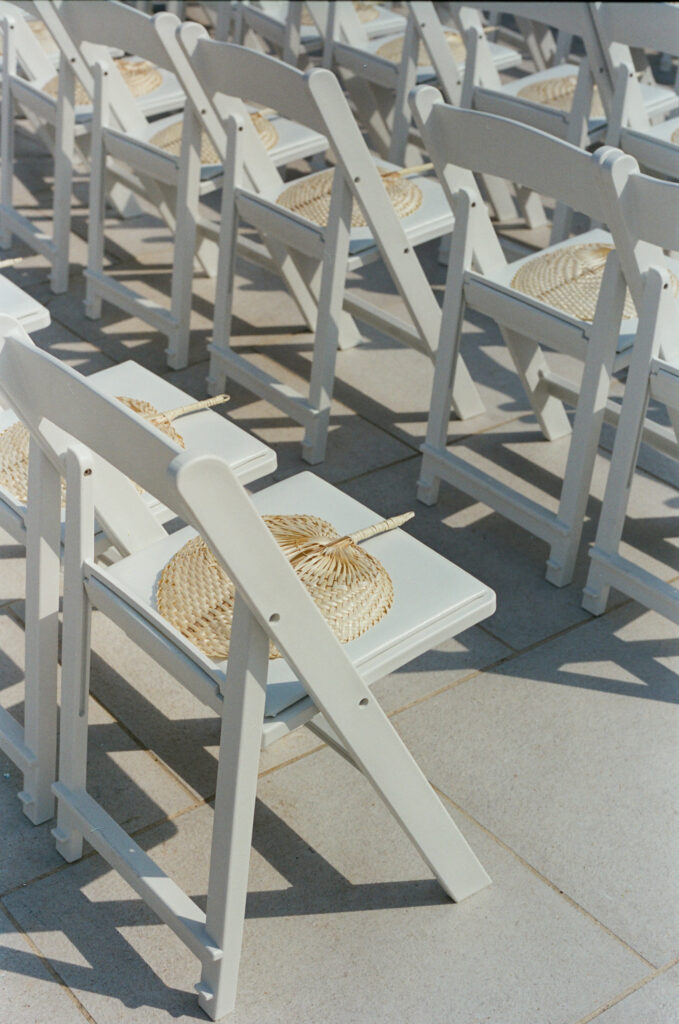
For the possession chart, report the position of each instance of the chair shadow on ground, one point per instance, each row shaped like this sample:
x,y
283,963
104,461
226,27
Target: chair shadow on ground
x,y
314,887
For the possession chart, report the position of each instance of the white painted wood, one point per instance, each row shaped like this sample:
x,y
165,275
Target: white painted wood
x,y
433,598
648,377
317,101
608,187
631,126
133,522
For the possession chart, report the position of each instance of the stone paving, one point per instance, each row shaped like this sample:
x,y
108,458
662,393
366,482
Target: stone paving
x,y
550,735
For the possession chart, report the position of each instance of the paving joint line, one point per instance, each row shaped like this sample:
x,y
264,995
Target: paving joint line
x,y
629,991
543,878
50,969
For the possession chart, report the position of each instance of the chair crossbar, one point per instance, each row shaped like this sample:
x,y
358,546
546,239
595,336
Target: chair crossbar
x,y
637,583
157,889
13,744
486,488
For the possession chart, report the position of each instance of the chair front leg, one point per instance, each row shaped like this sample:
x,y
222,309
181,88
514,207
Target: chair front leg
x,y
241,737
589,418
186,217
7,134
63,178
75,673
328,325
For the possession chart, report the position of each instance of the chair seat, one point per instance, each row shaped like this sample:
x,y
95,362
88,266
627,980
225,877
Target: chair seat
x,y
501,278
17,303
295,142
250,458
430,220
503,56
442,598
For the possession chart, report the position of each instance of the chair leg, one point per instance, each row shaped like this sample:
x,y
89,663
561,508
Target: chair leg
x,y
63,181
241,736
589,417
328,329
378,751
627,444
75,672
186,216
6,158
226,270
42,617
530,365
95,227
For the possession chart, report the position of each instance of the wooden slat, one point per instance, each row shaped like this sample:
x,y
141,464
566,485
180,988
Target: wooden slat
x,y
159,891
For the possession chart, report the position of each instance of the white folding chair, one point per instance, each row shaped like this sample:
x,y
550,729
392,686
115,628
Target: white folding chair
x,y
649,378
35,524
58,114
329,250
294,30
379,73
480,278
536,99
316,681
26,70
155,165
169,165
621,26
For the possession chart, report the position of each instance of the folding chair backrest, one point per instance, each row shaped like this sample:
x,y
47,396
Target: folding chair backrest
x,y
31,58
635,25
84,33
571,18
58,404
566,17
44,392
642,213
487,144
315,99
217,78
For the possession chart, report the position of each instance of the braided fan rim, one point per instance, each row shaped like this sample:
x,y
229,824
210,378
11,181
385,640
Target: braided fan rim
x,y
558,93
141,78
196,596
393,50
570,280
170,139
310,197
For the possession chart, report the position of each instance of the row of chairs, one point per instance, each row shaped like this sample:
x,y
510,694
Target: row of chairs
x,y
80,431
315,258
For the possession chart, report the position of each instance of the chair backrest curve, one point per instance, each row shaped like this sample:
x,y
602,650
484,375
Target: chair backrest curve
x,y
489,144
57,404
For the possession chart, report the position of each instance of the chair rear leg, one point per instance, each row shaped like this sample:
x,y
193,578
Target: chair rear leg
x,y
42,616
530,365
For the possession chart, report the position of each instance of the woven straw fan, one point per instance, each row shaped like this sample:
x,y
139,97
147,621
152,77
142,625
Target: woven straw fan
x,y
163,420
403,172
310,196
350,586
15,440
570,279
